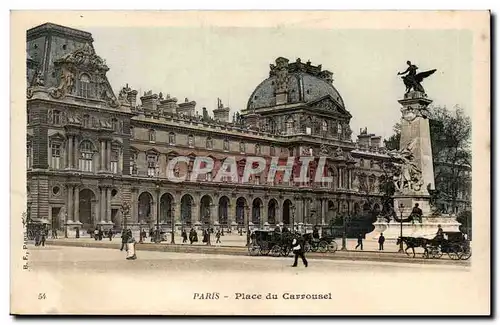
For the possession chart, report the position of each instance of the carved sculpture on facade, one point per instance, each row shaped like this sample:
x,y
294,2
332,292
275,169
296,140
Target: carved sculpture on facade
x,y
39,79
66,83
324,150
339,153
281,73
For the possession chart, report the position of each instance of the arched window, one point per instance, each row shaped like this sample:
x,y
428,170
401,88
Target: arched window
x,y
209,143
86,156
152,136
56,117
324,126
84,89
257,149
191,141
86,121
55,155
226,145
171,138
29,156
133,162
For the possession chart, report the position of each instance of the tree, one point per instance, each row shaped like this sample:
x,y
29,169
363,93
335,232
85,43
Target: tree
x,y
392,143
450,141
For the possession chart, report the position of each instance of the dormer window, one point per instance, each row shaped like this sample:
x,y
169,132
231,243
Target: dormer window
x,y
84,89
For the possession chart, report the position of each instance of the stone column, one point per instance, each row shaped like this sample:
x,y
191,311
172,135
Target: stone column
x,y
265,212
69,204
108,205
102,203
177,212
75,153
263,215
70,151
76,198
108,156
133,209
324,209
102,156
214,213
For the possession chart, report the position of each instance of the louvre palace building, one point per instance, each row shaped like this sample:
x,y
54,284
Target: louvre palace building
x,y
90,149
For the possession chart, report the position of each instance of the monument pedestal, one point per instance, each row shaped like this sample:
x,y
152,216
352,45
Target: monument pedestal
x,y
426,229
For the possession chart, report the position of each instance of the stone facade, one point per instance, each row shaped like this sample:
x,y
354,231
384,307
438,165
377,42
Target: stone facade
x,y
88,150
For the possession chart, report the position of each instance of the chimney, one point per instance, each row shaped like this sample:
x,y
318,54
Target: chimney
x,y
186,108
364,140
168,105
281,73
221,113
149,101
376,141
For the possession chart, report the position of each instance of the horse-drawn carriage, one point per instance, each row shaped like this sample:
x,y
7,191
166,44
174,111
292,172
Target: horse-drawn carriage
x,y
323,244
454,244
265,242
275,243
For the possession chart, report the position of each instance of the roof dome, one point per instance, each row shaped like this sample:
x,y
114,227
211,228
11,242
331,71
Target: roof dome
x,y
304,83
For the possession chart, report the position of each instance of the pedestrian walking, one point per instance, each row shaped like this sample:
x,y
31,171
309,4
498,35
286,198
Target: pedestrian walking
x,y
217,236
184,236
96,234
381,241
54,233
77,232
360,242
43,236
124,240
37,237
110,234
298,251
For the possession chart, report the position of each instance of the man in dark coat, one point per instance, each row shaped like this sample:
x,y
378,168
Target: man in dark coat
x,y
416,213
360,242
110,234
381,241
124,240
298,250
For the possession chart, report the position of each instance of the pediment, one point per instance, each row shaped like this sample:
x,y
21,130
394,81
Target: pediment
x,y
329,104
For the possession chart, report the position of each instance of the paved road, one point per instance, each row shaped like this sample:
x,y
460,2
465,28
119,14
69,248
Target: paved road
x,y
98,280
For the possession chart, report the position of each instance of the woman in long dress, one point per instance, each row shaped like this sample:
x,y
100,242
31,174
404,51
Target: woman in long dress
x,y
131,246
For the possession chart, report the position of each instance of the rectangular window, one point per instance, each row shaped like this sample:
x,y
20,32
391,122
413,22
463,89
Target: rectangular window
x,y
55,156
84,90
85,163
28,156
114,161
151,165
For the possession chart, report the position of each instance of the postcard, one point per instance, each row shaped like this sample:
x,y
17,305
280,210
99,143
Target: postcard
x,y
250,163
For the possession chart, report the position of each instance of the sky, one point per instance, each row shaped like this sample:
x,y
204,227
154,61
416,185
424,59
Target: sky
x,y
203,64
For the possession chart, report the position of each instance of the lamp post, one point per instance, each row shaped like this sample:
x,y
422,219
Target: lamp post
x,y
158,240
172,218
247,208
401,209
208,226
344,233
125,211
293,217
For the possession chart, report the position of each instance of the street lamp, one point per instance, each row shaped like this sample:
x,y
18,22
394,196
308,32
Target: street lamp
x,y
401,209
172,218
158,213
125,211
247,208
344,233
208,227
293,217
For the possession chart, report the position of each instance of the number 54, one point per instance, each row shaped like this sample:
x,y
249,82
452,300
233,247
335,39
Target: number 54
x,y
41,296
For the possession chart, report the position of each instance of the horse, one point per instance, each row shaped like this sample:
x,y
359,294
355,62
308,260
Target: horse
x,y
412,242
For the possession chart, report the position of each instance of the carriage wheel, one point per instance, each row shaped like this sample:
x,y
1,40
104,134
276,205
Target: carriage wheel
x,y
285,251
307,247
466,254
426,254
332,246
322,246
275,251
264,249
253,250
436,252
455,252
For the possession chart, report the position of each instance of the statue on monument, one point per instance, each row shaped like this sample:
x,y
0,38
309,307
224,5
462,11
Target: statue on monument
x,y
407,175
413,80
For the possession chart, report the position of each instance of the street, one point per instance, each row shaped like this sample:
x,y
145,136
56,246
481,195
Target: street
x,y
99,280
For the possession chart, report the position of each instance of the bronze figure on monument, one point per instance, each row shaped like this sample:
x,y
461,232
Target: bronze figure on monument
x,y
413,80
